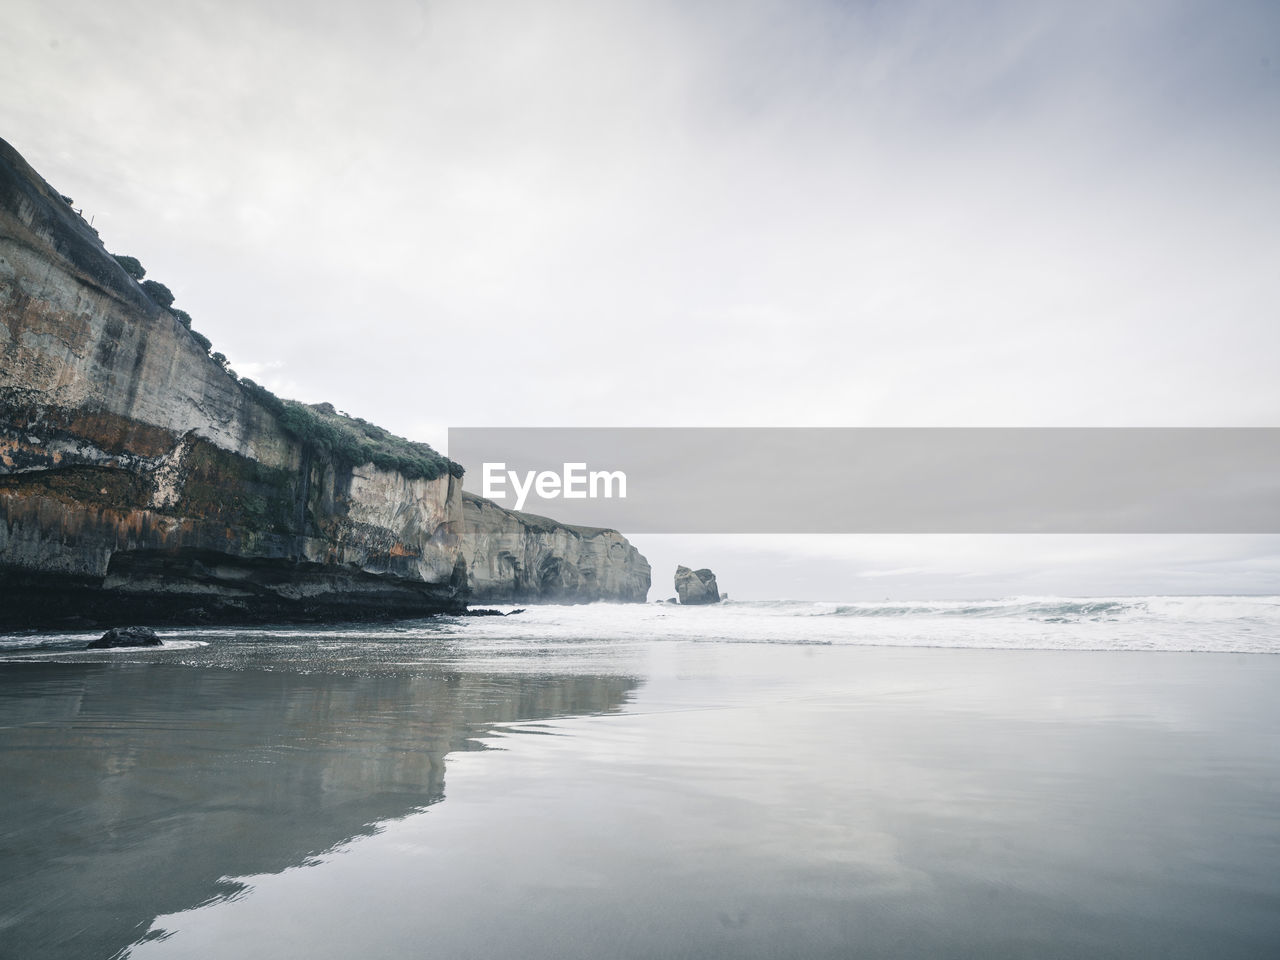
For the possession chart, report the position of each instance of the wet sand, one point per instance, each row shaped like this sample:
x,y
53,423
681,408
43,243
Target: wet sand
x,y
677,800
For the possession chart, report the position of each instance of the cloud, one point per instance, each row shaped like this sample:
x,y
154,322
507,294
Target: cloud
x,y
646,213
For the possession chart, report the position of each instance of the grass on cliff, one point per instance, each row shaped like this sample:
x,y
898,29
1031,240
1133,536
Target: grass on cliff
x,y
333,436
351,440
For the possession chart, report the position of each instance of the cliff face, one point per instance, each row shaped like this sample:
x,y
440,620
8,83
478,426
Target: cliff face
x,y
521,558
140,481
137,478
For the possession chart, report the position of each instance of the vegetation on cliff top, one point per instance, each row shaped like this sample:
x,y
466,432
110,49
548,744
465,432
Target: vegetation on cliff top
x,y
352,440
158,292
132,265
330,434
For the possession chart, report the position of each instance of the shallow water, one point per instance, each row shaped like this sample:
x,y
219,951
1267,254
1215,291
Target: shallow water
x,y
549,788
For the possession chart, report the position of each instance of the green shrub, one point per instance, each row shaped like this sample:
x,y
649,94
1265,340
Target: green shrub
x,y
131,265
352,441
263,396
321,428
158,292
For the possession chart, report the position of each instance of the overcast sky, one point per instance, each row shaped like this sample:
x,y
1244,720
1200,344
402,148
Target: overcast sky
x,y
562,213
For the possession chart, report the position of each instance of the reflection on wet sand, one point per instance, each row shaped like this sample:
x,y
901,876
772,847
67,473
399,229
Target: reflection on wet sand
x,y
134,790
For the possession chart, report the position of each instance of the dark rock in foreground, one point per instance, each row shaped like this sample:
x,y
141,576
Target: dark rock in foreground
x,y
696,586
126,637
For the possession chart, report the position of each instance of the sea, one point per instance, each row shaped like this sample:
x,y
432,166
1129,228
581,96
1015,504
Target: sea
x,y
1023,777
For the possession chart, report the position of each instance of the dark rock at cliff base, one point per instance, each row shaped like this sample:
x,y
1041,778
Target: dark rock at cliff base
x,y
696,586
126,637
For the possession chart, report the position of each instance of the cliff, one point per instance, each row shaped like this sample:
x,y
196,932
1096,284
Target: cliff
x,y
140,481
521,558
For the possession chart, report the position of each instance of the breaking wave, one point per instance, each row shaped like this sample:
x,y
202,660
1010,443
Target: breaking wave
x,y
1046,609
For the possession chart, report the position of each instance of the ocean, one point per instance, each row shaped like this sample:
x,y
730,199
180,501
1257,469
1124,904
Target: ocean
x,y
1048,777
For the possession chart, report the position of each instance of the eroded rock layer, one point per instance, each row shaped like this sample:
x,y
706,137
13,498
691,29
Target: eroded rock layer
x,y
140,482
516,557
138,479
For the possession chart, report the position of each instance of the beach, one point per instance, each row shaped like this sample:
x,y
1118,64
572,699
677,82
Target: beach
x,y
479,788
639,481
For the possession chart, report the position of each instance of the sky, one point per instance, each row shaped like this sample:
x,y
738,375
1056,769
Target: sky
x,y
703,213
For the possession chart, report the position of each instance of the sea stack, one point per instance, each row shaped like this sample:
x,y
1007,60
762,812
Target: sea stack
x,y
696,586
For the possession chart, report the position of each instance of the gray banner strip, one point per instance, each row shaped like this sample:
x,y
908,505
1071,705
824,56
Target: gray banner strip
x,y
883,480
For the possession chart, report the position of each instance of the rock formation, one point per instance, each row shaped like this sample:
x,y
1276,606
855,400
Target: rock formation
x,y
139,480
126,637
696,586
521,558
